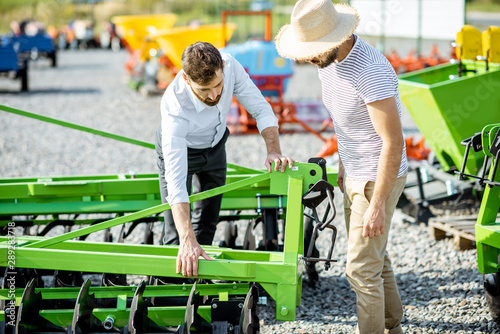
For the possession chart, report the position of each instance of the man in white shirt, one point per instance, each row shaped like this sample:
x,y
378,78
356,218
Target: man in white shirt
x,y
190,144
360,90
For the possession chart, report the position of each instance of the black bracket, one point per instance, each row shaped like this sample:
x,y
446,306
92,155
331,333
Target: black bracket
x,y
270,217
238,315
320,191
226,315
476,144
65,279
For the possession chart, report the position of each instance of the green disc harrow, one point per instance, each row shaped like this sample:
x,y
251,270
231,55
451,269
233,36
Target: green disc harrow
x,y
222,299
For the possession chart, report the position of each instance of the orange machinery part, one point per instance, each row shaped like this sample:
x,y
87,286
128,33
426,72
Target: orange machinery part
x,y
412,62
416,151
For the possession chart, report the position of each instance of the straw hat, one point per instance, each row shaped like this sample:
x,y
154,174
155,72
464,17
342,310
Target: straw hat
x,y
316,27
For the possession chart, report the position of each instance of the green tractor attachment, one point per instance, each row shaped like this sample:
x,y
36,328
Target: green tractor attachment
x,y
65,283
448,103
447,107
487,142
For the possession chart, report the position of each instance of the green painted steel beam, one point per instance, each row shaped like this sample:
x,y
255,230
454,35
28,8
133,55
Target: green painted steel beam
x,y
68,195
147,250
241,169
76,127
286,292
117,194
244,268
490,205
487,226
148,212
69,187
107,247
294,238
277,187
488,234
116,206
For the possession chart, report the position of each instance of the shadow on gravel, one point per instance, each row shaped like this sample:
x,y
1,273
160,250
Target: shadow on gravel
x,y
331,301
13,91
80,66
431,285
54,91
434,301
458,297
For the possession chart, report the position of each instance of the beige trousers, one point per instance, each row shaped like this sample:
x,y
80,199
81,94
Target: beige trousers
x,y
368,267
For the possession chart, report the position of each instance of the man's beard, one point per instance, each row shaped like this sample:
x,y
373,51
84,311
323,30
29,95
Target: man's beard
x,y
331,58
207,101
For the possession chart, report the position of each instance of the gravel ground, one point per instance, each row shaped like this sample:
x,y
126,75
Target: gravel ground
x,y
440,287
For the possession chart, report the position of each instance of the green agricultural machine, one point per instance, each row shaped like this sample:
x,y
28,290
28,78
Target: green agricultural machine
x,y
50,284
449,103
487,226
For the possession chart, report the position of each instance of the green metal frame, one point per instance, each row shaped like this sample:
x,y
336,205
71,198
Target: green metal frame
x,y
135,197
488,227
279,273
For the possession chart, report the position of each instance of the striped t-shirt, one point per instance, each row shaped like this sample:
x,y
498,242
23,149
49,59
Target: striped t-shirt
x,y
364,76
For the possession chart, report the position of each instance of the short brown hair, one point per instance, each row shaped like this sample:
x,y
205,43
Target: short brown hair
x,y
200,61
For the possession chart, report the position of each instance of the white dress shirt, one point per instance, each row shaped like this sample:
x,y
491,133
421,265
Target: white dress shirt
x,y
188,122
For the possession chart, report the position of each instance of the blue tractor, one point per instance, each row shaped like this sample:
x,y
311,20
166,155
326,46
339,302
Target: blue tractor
x,y
11,65
266,68
34,47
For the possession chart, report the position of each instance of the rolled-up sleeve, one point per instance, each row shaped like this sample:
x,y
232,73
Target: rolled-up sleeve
x,y
251,98
174,147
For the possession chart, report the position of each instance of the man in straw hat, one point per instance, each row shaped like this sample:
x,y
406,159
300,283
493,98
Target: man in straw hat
x,y
190,145
360,90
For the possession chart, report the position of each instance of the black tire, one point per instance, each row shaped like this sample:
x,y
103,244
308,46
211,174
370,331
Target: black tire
x,y
23,74
492,293
53,59
311,275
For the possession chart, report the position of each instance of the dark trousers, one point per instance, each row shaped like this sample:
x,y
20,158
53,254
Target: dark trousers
x,y
206,170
